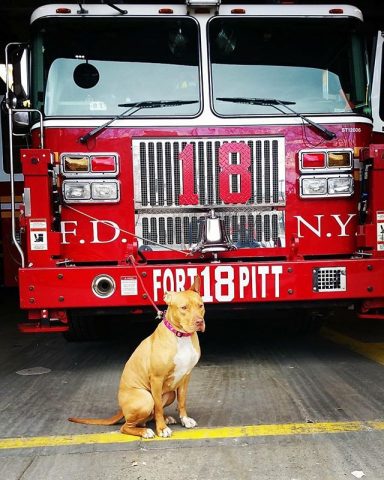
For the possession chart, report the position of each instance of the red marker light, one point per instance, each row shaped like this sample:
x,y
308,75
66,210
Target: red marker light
x,y
336,10
313,160
63,10
103,163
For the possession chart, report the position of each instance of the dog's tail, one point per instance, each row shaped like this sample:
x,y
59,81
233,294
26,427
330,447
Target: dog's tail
x,y
99,421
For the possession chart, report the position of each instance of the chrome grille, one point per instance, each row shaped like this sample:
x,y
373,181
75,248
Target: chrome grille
x,y
330,279
245,229
158,183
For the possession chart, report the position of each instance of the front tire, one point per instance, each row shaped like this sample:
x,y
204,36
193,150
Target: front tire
x,y
83,328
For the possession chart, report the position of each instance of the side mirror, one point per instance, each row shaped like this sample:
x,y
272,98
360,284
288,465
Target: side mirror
x,y
21,122
21,118
17,94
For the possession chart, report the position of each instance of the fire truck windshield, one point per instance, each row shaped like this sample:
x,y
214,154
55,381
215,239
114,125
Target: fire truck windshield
x,y
98,63
319,64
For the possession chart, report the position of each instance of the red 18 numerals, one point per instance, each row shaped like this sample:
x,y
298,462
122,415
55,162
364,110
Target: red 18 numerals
x,y
228,170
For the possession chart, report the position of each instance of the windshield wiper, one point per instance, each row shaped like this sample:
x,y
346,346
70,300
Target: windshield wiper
x,y
115,7
134,107
273,102
157,104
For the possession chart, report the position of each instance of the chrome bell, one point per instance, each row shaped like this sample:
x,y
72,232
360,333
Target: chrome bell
x,y
212,236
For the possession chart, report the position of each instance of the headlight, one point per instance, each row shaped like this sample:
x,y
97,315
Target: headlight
x,y
313,186
74,191
105,191
326,186
91,191
340,186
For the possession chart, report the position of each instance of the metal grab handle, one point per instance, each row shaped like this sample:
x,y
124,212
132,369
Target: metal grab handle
x,y
12,172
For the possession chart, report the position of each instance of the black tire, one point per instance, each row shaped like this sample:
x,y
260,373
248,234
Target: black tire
x,y
84,328
308,322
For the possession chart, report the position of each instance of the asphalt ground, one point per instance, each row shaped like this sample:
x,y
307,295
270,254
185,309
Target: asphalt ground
x,y
269,404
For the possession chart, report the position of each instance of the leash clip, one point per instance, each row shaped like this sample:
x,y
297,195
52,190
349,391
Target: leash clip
x,y
159,315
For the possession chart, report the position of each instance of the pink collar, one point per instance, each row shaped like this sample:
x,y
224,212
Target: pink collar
x,y
173,330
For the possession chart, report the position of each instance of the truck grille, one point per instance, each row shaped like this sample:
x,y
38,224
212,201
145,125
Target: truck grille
x,y
158,177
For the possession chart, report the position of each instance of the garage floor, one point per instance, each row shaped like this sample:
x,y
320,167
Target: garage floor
x,y
269,405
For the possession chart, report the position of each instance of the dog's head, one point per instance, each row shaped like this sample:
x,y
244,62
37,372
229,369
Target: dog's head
x,y
186,309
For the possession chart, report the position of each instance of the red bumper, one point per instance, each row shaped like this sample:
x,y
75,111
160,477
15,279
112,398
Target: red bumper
x,y
259,282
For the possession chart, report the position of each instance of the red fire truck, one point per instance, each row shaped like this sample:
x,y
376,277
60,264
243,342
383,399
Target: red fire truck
x,y
242,143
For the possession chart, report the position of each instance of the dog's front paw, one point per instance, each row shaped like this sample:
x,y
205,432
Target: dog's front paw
x,y
149,433
165,432
170,420
188,422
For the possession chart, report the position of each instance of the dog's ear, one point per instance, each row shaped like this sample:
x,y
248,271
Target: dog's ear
x,y
168,297
196,285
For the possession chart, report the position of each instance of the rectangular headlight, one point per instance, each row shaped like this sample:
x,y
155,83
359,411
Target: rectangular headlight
x,y
76,191
107,191
340,185
91,191
313,186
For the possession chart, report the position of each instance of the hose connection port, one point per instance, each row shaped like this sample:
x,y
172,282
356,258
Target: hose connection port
x,y
103,286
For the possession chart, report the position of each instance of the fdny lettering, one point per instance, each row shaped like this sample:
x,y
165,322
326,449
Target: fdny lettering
x,y
339,225
321,226
222,283
69,227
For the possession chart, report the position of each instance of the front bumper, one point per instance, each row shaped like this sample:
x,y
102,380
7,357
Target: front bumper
x,y
141,285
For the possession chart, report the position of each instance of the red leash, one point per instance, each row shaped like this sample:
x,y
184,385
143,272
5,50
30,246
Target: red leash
x,y
159,313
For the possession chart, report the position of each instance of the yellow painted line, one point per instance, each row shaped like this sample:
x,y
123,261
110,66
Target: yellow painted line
x,y
373,351
196,434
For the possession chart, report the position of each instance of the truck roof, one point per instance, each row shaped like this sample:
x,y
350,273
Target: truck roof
x,y
180,8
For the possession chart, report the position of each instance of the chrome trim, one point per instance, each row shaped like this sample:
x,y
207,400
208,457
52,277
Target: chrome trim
x,y
90,182
179,230
326,169
326,178
89,173
103,286
158,182
27,202
158,177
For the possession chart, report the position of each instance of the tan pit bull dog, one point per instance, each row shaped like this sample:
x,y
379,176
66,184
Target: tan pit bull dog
x,y
160,368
